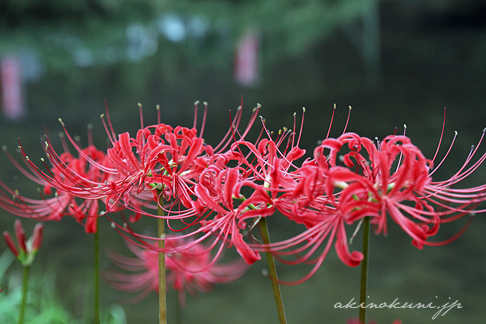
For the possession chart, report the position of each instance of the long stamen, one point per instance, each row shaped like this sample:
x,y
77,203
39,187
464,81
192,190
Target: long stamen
x,y
224,142
113,134
204,119
445,156
401,154
196,103
301,127
21,169
295,127
269,133
347,120
90,134
441,136
330,124
252,120
81,152
141,115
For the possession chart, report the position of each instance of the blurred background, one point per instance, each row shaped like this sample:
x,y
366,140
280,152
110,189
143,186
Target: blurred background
x,y
394,61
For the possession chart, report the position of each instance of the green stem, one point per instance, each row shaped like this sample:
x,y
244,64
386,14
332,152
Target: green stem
x,y
364,269
97,274
272,271
24,294
162,287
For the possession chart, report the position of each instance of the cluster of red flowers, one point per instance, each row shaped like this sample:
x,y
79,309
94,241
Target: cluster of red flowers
x,y
221,193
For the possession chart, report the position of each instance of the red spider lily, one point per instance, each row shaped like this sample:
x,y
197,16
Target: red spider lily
x,y
268,164
324,214
277,184
223,211
370,179
63,202
230,201
190,270
400,184
231,210
159,157
26,249
169,159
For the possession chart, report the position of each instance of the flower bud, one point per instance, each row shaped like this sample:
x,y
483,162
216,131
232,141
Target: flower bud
x,y
10,243
37,236
20,234
24,251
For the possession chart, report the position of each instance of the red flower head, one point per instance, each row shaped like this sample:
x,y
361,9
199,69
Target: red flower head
x,y
352,177
230,209
231,200
159,158
66,176
396,179
164,158
191,270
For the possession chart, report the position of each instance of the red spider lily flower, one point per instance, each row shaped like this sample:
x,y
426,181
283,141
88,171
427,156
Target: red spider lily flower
x,y
223,211
391,177
228,202
162,157
231,201
190,270
62,202
267,163
85,167
325,215
26,249
159,157
400,184
168,158
283,186
232,213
